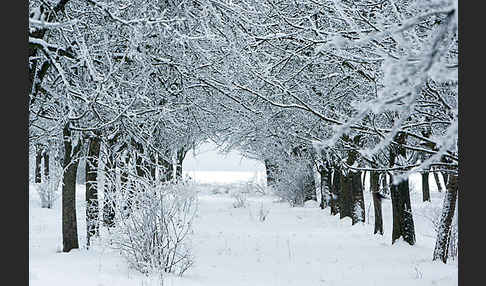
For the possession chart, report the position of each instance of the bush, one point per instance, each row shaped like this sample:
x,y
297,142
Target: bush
x,y
240,200
48,191
153,226
291,183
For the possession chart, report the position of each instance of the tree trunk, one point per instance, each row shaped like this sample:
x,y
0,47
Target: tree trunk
x,y
325,173
48,190
181,154
127,187
38,164
92,208
45,155
403,225
425,187
346,196
70,164
109,192
358,208
448,209
375,191
363,183
271,171
446,178
335,188
437,181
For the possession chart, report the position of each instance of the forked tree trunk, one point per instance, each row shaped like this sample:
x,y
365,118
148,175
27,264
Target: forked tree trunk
x,y
70,165
425,187
403,225
335,189
375,192
446,178
92,205
358,208
444,232
437,181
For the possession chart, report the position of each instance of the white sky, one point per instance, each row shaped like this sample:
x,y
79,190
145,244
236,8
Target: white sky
x,y
208,158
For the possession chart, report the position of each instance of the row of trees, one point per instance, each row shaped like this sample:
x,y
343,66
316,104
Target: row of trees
x,y
334,87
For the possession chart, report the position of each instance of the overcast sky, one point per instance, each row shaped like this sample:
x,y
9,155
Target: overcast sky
x,y
208,158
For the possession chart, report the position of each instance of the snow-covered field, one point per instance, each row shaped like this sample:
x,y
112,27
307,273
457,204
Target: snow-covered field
x,y
293,246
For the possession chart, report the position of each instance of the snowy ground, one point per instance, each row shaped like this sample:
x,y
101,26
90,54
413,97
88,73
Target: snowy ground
x,y
293,246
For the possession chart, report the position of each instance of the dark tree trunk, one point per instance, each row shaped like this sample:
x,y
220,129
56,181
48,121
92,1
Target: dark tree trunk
x,y
70,165
92,208
358,208
38,164
346,196
335,191
437,181
375,191
45,155
446,178
181,154
271,171
403,225
109,192
443,235
425,187
325,173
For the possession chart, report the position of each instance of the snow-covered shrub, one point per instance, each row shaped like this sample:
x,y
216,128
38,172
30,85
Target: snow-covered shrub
x,y
48,191
240,200
291,185
153,225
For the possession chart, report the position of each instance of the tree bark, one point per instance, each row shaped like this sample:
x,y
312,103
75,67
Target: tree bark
x,y
403,225
70,164
346,196
335,189
271,170
38,164
109,192
325,173
443,235
358,208
181,154
49,191
425,187
446,178
437,181
375,191
92,204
